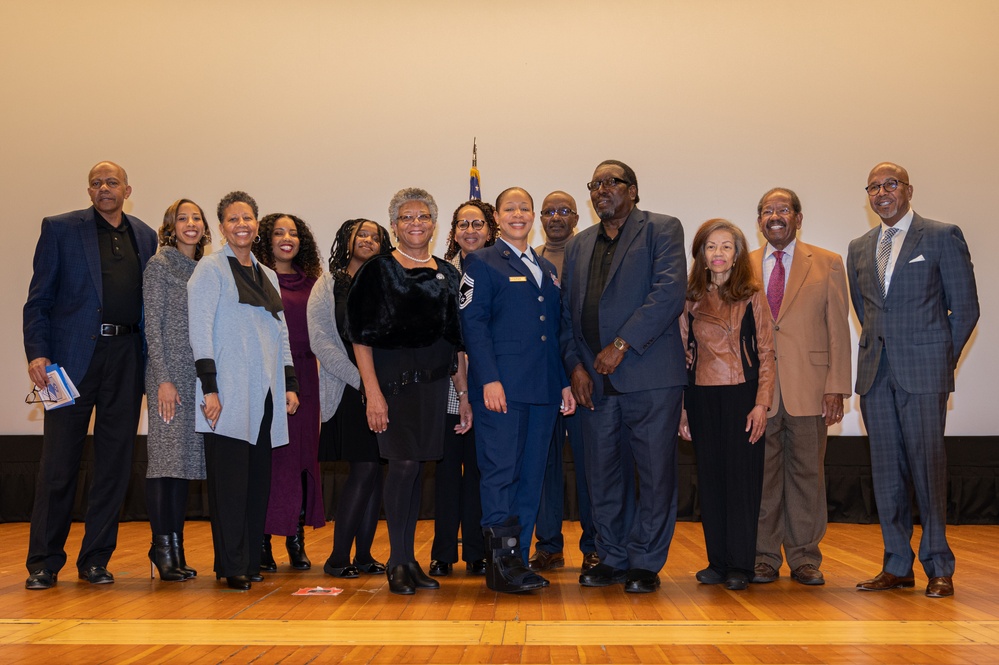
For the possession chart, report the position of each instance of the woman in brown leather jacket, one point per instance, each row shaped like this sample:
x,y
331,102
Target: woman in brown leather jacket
x,y
728,334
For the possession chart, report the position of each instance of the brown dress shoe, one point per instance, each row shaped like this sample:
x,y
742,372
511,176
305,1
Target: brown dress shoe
x,y
543,560
940,587
764,573
590,559
885,581
808,575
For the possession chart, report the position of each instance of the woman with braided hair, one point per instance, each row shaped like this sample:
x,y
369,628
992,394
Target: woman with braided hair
x,y
345,434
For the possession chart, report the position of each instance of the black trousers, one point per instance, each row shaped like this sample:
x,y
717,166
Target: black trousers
x,y
729,473
113,387
239,483
456,498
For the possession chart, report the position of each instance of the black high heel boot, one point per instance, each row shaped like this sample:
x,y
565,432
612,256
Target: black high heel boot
x,y
267,562
162,556
296,550
177,541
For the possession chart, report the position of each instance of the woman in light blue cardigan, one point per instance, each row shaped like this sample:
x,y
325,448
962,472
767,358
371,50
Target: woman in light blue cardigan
x,y
244,365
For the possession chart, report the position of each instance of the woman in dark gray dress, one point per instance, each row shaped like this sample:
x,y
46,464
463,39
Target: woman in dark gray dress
x,y
176,451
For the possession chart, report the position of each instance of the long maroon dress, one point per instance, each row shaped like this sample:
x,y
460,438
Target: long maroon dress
x,y
301,455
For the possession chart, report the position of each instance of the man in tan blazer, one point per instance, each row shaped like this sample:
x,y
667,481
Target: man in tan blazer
x,y
806,289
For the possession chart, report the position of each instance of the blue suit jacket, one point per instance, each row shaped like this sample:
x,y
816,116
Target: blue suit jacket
x,y
510,327
641,303
62,315
929,312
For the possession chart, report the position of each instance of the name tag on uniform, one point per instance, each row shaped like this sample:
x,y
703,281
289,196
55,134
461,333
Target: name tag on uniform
x,y
519,278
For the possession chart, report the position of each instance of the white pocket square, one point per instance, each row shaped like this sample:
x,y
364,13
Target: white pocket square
x,y
918,259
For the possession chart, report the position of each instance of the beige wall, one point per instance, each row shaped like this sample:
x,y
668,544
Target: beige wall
x,y
324,109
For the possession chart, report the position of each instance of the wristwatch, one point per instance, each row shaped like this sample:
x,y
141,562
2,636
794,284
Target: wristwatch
x,y
620,344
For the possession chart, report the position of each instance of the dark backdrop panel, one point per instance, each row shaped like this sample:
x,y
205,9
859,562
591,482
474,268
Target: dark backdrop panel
x,y
972,462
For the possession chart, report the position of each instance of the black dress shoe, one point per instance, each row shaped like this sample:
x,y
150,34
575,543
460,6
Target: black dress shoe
x,y
737,581
343,572
710,576
97,575
372,568
640,580
419,578
255,577
237,582
477,567
602,575
590,559
267,562
399,582
43,578
439,568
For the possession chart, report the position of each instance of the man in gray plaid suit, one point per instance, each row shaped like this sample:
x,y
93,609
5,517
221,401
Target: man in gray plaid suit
x,y
913,287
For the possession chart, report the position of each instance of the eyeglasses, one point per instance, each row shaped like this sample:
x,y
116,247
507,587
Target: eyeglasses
x,y
783,211
606,183
889,185
476,224
423,218
561,212
42,396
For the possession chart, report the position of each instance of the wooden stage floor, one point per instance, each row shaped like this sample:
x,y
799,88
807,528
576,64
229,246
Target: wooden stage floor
x,y
138,620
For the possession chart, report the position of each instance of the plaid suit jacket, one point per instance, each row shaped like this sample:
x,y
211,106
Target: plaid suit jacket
x,y
62,315
928,314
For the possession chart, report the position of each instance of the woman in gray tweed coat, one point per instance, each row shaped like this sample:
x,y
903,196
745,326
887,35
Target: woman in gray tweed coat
x,y
176,451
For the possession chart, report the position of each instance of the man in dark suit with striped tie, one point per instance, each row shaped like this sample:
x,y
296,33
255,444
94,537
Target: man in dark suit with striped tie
x,y
913,287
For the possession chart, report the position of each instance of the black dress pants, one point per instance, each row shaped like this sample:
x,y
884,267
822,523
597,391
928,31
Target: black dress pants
x,y
729,473
113,387
239,483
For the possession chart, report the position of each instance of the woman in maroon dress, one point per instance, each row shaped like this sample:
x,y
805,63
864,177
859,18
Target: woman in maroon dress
x,y
286,244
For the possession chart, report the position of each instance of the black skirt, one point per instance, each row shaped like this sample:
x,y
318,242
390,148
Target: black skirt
x,y
416,409
346,436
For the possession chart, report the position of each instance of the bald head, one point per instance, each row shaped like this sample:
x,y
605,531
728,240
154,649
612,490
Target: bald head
x,y
559,216
889,192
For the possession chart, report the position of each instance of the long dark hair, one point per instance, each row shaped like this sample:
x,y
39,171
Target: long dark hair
x,y
342,249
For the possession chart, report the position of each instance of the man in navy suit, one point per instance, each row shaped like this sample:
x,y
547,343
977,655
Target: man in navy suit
x,y
516,385
913,287
84,312
623,290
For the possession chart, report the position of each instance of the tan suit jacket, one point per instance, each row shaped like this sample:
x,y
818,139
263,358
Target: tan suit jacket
x,y
812,331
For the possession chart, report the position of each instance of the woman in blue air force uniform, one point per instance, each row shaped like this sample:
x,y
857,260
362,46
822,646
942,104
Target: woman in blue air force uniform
x,y
516,382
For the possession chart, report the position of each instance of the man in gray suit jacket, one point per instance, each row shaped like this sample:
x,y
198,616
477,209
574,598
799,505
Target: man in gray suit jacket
x,y
913,287
623,290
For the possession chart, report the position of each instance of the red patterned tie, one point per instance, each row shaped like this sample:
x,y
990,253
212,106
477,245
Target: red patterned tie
x,y
775,290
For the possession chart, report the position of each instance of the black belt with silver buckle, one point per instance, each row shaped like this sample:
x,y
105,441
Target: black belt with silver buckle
x,y
417,376
114,330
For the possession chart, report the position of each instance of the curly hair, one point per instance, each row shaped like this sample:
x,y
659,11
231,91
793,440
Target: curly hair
x,y
168,234
342,249
411,194
307,259
488,213
237,196
741,283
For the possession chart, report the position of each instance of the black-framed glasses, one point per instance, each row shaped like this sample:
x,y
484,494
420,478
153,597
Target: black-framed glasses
x,y
889,185
594,185
40,396
561,212
476,224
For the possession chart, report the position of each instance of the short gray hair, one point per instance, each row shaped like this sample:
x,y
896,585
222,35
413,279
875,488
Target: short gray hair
x,y
411,194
